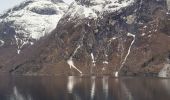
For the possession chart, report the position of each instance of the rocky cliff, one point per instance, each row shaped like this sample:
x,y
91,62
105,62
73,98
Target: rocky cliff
x,y
102,37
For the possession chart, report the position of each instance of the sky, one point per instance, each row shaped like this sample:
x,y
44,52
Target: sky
x,y
6,4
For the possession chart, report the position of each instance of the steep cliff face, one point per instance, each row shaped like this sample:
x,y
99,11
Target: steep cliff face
x,y
120,37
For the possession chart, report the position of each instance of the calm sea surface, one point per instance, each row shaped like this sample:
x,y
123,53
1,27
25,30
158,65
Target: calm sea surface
x,y
83,88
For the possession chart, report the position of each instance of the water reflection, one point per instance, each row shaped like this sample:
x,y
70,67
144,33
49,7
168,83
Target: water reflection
x,y
126,91
166,85
18,96
93,82
105,83
71,83
83,88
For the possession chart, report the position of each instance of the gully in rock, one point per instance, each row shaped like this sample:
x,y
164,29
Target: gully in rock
x,y
129,50
93,62
71,63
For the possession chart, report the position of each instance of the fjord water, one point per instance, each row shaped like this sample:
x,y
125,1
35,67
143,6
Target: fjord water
x,y
83,88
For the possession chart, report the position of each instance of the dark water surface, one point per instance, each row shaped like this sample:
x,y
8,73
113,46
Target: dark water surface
x,y
83,88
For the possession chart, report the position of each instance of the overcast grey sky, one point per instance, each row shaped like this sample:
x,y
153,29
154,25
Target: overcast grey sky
x,y
6,4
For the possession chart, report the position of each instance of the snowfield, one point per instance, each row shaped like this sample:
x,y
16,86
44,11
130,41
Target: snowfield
x,y
33,19
36,19
96,8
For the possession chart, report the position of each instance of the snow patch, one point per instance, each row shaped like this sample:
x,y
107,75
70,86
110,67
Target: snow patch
x,y
167,13
34,25
116,74
115,5
35,20
129,34
113,38
145,27
105,62
18,51
1,43
130,19
168,4
93,61
165,71
81,12
20,42
149,36
96,8
143,34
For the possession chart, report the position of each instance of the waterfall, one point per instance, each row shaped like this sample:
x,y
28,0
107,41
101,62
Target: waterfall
x,y
93,61
70,60
129,50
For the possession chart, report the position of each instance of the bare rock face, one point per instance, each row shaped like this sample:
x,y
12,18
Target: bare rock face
x,y
102,37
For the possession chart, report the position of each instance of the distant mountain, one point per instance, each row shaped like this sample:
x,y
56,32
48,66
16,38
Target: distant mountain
x,y
102,37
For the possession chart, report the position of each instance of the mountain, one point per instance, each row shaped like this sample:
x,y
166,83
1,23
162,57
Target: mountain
x,y
26,23
29,21
102,37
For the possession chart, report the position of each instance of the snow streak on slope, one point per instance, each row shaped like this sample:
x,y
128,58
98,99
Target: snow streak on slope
x,y
93,60
129,50
71,63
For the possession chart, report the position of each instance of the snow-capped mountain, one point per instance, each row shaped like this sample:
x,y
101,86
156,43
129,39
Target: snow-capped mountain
x,y
29,21
102,37
96,8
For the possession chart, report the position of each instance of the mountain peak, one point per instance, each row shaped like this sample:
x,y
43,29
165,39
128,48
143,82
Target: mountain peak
x,y
96,8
